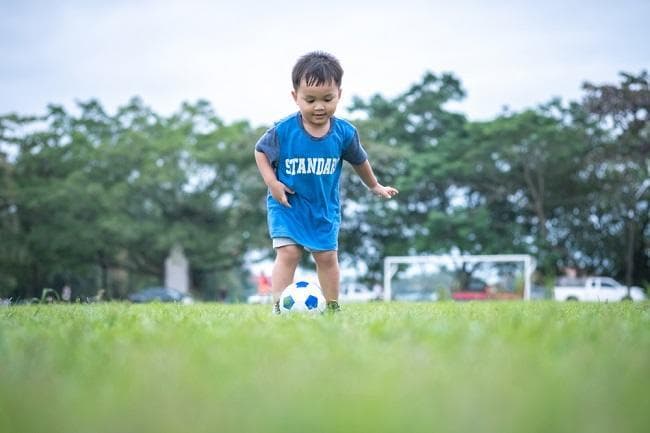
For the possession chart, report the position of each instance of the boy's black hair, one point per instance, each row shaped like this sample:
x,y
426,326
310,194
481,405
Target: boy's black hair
x,y
317,68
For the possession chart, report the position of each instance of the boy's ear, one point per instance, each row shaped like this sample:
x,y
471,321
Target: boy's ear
x,y
340,91
294,95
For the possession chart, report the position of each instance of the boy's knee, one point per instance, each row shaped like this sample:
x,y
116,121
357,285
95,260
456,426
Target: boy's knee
x,y
289,253
326,258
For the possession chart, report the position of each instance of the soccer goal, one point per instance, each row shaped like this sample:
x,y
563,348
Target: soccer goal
x,y
458,277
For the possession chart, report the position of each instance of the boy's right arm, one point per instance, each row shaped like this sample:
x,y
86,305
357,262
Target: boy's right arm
x,y
278,189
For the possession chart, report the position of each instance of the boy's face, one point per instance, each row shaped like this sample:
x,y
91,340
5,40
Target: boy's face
x,y
317,103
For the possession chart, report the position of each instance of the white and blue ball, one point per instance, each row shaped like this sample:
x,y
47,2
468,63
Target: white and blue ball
x,y
302,297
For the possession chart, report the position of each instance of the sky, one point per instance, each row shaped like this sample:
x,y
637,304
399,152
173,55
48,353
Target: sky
x,y
238,55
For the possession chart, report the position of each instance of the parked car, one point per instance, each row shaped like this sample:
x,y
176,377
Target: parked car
x,y
479,290
595,289
475,290
160,294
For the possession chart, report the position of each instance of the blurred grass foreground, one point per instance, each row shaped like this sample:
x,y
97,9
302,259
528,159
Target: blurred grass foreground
x,y
472,367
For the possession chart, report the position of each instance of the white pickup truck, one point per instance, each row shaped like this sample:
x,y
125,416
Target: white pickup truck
x,y
595,289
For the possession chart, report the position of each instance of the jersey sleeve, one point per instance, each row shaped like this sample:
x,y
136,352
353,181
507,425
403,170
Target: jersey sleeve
x,y
268,144
354,153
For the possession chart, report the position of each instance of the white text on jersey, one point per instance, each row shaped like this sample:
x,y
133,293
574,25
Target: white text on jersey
x,y
317,166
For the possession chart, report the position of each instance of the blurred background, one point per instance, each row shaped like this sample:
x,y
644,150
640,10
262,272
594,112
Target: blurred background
x,y
127,133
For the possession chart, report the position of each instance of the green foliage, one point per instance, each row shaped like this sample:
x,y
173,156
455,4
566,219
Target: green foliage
x,y
527,174
557,181
100,200
444,367
408,139
620,218
97,200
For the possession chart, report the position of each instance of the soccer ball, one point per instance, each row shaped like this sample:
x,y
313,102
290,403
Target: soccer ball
x,y
302,297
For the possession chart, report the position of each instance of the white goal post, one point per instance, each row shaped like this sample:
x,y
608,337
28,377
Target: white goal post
x,y
438,271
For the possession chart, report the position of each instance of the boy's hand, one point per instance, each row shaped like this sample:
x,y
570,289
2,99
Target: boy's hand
x,y
384,191
279,192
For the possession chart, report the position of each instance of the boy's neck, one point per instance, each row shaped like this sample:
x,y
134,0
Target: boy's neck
x,y
316,131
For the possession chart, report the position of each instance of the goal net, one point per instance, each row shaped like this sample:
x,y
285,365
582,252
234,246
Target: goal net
x,y
458,277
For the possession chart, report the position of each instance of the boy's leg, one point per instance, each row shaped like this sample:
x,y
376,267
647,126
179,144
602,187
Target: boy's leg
x,y
329,275
286,262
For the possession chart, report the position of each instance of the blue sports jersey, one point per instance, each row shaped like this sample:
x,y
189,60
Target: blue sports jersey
x,y
312,168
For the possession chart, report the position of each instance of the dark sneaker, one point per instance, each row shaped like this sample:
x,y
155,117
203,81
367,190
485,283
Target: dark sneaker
x,y
276,308
333,307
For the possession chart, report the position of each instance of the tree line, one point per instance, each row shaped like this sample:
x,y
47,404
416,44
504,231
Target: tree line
x,y
96,201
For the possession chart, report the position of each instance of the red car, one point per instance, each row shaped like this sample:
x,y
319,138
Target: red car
x,y
479,290
475,290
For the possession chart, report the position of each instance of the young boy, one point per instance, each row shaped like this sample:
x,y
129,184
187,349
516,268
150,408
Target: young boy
x,y
300,160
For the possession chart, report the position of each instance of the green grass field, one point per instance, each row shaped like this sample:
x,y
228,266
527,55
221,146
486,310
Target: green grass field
x,y
440,367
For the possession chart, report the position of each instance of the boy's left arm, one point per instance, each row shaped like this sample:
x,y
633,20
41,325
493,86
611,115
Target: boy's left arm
x,y
364,170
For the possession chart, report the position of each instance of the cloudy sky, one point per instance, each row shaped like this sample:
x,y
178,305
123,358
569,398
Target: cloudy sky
x,y
238,54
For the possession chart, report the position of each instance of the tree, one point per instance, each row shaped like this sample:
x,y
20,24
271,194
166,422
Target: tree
x,y
622,168
526,174
408,139
95,194
10,250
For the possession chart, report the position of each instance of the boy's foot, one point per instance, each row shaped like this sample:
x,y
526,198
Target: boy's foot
x,y
276,308
333,307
